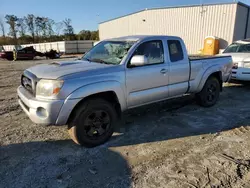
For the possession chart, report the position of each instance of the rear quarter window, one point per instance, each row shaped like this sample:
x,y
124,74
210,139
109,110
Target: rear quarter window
x,y
175,50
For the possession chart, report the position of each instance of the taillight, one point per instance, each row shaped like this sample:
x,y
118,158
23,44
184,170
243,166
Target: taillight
x,y
2,54
235,66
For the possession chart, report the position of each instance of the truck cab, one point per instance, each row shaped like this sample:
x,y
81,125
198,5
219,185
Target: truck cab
x,y
155,76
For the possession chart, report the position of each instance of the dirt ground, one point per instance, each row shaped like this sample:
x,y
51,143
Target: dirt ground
x,y
170,144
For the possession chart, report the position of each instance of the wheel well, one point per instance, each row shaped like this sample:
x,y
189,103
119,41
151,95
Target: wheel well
x,y
109,96
218,75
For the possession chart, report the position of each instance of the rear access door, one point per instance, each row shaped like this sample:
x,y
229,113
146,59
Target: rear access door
x,y
179,68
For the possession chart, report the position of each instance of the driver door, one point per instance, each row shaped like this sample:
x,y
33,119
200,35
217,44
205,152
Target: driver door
x,y
147,83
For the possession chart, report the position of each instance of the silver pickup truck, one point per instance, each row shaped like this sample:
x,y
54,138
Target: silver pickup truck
x,y
90,94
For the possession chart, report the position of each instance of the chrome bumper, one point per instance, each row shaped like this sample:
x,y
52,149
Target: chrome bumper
x,y
40,112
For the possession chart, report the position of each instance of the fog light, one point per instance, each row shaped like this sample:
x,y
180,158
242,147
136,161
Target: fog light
x,y
41,112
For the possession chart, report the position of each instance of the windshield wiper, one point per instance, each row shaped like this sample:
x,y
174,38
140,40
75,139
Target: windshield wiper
x,y
89,60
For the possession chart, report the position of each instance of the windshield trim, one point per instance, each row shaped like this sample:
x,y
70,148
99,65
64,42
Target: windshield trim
x,y
107,41
238,46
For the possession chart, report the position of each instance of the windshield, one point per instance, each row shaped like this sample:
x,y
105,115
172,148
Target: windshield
x,y
237,48
109,52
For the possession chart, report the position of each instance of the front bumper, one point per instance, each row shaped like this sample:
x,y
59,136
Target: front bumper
x,y
40,112
241,74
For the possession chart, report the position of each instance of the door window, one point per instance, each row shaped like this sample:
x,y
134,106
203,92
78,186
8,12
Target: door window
x,y
153,50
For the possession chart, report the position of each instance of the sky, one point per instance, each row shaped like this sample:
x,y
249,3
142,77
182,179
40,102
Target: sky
x,y
86,14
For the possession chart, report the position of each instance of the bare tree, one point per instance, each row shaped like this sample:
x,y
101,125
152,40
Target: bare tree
x,y
85,35
38,24
58,28
50,26
21,27
30,22
12,21
68,27
2,27
42,24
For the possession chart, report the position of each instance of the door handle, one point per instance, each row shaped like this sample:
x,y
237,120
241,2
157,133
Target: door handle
x,y
164,71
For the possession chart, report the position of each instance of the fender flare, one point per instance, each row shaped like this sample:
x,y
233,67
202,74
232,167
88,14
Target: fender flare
x,y
87,90
100,87
211,70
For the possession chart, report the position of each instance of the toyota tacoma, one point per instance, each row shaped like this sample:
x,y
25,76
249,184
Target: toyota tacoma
x,y
89,95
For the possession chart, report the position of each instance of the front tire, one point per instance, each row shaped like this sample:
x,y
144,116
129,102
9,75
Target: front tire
x,y
93,123
210,93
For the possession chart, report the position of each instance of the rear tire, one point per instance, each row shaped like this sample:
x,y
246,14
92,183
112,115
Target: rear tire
x,y
210,93
93,123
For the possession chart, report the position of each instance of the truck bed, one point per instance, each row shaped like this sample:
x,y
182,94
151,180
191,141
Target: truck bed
x,y
202,66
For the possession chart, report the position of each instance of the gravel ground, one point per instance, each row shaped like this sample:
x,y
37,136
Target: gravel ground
x,y
170,144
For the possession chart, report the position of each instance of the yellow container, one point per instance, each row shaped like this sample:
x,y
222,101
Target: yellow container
x,y
211,46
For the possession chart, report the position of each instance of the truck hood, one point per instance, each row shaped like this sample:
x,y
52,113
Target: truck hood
x,y
59,69
238,57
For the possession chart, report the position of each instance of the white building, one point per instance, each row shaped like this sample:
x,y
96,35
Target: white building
x,y
227,21
67,47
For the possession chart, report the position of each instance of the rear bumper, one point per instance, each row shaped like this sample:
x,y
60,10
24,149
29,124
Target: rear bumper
x,y
241,74
40,112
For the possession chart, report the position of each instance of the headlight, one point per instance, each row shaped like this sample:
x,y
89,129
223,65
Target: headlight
x,y
246,64
48,88
235,66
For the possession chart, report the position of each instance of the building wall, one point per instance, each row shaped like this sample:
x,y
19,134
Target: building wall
x,y
67,47
240,23
193,24
43,47
78,46
248,28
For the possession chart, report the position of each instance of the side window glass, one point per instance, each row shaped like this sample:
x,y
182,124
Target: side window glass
x,y
244,48
153,50
175,50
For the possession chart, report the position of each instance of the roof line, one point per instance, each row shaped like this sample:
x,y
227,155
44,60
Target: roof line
x,y
123,16
243,4
182,6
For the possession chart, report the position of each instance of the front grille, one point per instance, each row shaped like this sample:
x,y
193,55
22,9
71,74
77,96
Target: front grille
x,y
27,83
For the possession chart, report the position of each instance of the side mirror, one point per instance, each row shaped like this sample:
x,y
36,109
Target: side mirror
x,y
138,60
